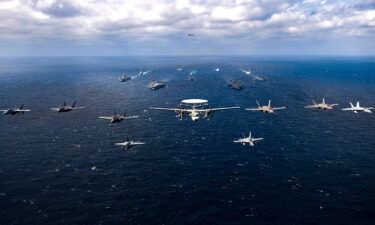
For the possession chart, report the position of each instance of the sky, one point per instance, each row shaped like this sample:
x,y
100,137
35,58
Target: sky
x,y
161,27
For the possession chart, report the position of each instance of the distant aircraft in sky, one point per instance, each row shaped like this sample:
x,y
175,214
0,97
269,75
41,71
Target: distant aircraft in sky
x,y
357,108
190,35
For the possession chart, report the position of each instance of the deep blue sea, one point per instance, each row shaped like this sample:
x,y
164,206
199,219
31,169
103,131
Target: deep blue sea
x,y
313,166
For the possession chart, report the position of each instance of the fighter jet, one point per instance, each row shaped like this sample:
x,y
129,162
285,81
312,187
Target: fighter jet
x,y
66,108
246,72
129,144
322,105
117,118
357,108
217,69
12,111
266,109
190,35
179,69
248,140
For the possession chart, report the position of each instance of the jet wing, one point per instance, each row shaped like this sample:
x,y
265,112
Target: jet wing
x,y
349,109
138,143
254,109
168,109
3,110
55,109
311,106
333,104
105,117
78,108
278,108
121,144
22,110
217,109
129,117
257,139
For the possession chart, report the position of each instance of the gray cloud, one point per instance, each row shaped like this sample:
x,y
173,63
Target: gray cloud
x,y
167,20
57,8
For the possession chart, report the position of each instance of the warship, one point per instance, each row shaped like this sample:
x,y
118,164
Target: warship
x,y
235,84
154,85
124,78
260,78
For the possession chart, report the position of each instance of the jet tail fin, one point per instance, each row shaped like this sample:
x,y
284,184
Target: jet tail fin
x,y
74,104
21,106
250,135
314,102
258,103
358,104
351,104
269,103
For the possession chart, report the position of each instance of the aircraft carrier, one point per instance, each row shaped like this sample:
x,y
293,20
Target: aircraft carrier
x,y
154,85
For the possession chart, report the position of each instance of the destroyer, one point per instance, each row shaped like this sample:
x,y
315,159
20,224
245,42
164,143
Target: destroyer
x,y
124,78
235,84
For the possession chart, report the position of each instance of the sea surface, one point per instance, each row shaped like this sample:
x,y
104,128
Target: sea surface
x,y
313,166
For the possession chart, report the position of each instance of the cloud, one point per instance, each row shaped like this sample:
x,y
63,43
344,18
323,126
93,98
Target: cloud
x,y
166,20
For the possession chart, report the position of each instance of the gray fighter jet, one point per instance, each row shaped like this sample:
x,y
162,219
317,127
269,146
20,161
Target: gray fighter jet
x,y
66,108
322,105
117,118
248,140
12,111
266,108
357,108
129,144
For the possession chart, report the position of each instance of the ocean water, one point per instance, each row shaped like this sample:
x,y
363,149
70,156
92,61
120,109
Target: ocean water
x,y
313,167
